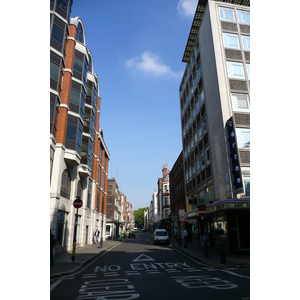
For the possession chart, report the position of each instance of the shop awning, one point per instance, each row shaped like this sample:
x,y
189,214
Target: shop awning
x,y
229,204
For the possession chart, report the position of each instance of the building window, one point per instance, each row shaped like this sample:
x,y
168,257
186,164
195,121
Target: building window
x,y
199,71
246,42
79,189
166,200
235,70
65,187
89,198
202,97
231,41
77,98
198,164
207,155
80,66
204,125
246,180
79,36
243,137
243,17
74,133
54,111
202,161
200,132
226,14
240,102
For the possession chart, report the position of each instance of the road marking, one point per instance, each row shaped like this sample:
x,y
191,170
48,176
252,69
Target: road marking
x,y
232,273
53,285
144,257
204,281
107,289
89,276
132,273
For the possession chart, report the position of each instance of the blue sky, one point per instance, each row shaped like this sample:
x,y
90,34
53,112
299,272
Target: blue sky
x,y
137,48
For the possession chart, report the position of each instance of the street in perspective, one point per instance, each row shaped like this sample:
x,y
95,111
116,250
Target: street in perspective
x,y
135,268
150,149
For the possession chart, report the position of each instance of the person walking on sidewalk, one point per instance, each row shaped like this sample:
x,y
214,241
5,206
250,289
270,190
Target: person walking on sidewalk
x,y
97,236
185,236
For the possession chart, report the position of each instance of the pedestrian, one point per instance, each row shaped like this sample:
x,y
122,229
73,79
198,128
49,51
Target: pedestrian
x,y
97,236
52,243
185,236
176,234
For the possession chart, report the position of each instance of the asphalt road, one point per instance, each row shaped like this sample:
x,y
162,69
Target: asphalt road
x,y
136,269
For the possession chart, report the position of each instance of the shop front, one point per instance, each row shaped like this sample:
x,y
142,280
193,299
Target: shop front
x,y
231,217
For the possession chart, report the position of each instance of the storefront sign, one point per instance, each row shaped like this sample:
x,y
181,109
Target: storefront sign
x,y
229,204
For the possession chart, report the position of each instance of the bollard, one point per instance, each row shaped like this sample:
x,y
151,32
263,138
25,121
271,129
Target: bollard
x,y
222,253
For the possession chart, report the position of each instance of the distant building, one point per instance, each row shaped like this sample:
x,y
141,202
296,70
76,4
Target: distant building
x,y
177,192
215,120
78,154
113,209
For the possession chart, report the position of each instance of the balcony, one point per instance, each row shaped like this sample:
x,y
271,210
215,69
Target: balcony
x,y
84,170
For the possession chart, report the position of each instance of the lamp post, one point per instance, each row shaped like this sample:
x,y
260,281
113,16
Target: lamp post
x,y
77,204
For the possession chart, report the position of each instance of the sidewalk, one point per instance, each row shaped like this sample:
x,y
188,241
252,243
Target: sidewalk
x,y
233,260
63,264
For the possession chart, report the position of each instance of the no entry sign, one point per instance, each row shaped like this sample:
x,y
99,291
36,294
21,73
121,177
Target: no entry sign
x,y
202,211
77,203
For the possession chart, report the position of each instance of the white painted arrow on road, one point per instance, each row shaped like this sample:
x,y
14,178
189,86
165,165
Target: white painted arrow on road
x,y
144,257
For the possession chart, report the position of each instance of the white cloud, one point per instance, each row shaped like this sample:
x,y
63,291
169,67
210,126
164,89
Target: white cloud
x,y
149,63
187,7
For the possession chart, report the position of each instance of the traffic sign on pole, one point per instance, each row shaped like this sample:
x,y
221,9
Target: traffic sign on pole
x,y
77,203
202,211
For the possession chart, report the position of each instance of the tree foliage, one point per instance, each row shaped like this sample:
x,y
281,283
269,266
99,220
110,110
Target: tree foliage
x,y
139,217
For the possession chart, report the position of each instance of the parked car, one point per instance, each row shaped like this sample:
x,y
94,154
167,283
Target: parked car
x,y
160,236
218,236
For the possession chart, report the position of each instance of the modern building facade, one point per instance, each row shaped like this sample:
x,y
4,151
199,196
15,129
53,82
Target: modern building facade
x,y
215,120
79,156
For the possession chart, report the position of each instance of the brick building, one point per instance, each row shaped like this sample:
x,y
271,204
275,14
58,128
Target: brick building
x,y
78,154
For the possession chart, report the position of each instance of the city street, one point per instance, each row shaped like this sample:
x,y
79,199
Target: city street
x,y
136,269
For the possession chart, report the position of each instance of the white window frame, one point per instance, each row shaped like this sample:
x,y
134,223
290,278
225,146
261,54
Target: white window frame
x,y
233,68
248,71
246,42
235,102
227,43
223,17
241,18
242,141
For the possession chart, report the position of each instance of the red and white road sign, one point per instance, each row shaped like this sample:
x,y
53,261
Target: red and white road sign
x,y
77,203
202,211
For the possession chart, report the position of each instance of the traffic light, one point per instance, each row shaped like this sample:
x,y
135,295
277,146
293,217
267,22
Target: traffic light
x,y
236,170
